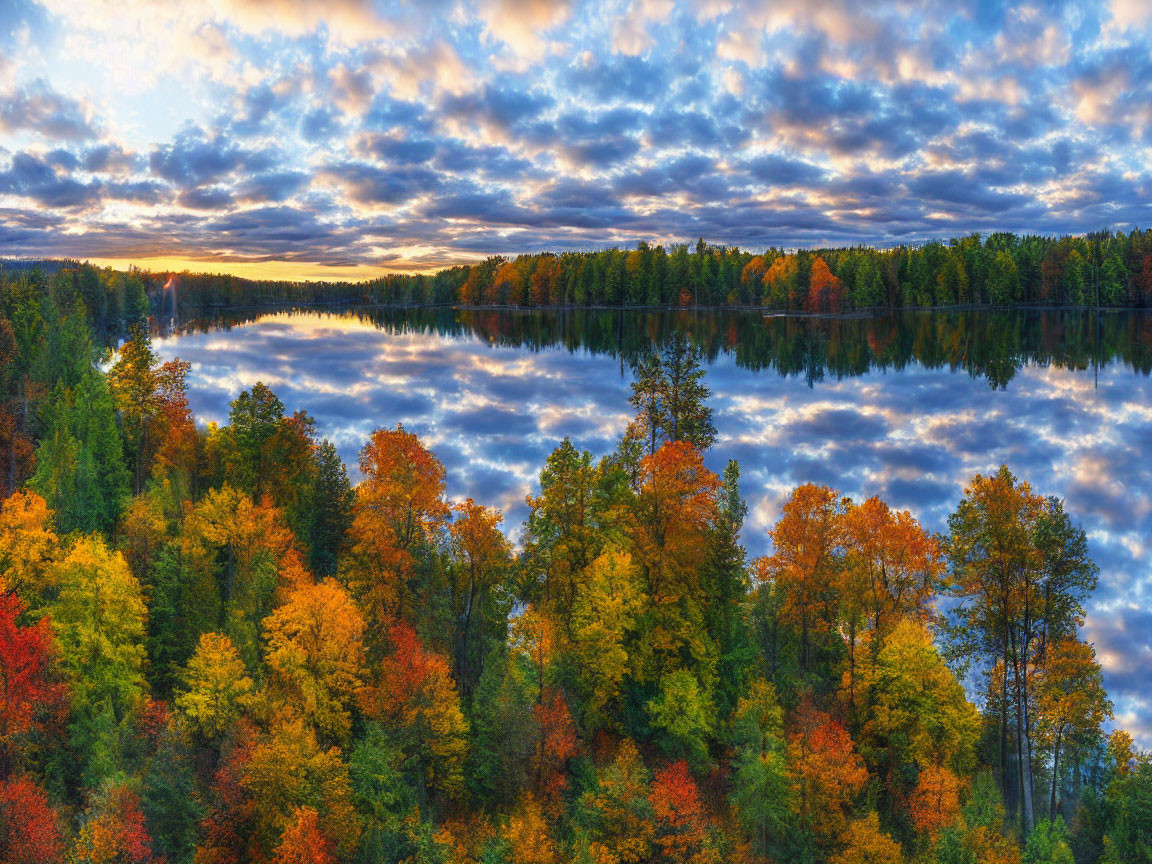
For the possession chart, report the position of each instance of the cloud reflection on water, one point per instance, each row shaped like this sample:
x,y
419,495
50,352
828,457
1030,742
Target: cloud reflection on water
x,y
911,434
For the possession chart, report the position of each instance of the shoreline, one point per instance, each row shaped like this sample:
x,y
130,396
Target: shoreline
x,y
766,311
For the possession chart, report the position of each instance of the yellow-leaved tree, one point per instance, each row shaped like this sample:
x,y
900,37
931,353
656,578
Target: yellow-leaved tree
x,y
216,688
604,617
28,545
315,652
99,618
865,843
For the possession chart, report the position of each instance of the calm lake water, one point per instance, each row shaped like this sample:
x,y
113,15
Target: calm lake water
x,y
906,406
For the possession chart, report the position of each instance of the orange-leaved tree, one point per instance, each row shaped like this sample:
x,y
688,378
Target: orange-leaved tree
x,y
935,802
805,564
399,508
681,824
413,695
670,523
825,772
114,830
304,841
825,291
483,557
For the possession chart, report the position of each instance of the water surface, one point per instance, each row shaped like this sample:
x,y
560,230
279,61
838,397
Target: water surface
x,y
906,406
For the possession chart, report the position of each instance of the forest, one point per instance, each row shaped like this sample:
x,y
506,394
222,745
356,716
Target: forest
x,y
1103,269
214,648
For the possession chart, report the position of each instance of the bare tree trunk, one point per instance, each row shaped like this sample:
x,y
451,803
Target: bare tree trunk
x,y
1027,813
1029,775
1004,728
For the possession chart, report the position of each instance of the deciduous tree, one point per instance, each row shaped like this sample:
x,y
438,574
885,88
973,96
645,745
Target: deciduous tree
x,y
865,843
826,774
825,291
414,696
113,829
287,770
315,653
805,564
483,558
604,618
304,841
28,545
399,507
1071,704
216,688
99,619
935,802
618,810
31,697
680,823
29,826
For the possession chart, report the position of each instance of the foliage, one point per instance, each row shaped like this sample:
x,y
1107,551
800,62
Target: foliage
x,y
29,827
99,620
865,843
315,655
214,649
215,687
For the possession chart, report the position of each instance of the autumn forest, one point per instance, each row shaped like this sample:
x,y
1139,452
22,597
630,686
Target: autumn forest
x,y
214,648
1102,269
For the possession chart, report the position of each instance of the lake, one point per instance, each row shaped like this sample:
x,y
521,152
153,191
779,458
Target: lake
x,y
906,406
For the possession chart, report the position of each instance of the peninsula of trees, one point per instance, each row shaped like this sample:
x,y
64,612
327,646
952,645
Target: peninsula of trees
x,y
1103,269
215,649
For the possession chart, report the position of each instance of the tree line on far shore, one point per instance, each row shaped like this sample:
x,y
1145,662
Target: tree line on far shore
x,y
1105,268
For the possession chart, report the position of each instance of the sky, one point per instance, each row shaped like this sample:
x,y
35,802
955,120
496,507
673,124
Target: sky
x,y
303,139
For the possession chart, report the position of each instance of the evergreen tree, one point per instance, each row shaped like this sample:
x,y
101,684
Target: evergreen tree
x,y
80,464
649,398
687,418
329,510
254,418
726,578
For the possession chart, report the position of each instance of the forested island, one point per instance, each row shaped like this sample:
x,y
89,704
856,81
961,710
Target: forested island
x,y
215,649
1102,269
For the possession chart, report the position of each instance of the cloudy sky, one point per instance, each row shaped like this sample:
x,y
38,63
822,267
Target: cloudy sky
x,y
309,139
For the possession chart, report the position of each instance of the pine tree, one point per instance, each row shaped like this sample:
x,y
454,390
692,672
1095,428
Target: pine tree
x,y
726,579
649,398
330,510
687,417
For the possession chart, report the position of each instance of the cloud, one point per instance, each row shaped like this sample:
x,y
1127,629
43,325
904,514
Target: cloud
x,y
632,31
109,158
47,184
523,25
371,185
499,110
1130,14
441,131
397,150
195,159
39,108
350,20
